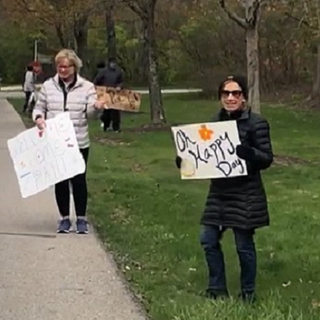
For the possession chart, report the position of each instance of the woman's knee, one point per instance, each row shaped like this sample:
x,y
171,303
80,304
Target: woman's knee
x,y
210,236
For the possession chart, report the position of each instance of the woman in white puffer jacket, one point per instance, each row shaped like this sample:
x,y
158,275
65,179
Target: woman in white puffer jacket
x,y
67,91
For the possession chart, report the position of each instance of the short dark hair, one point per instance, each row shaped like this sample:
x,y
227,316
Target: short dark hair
x,y
112,59
29,68
240,80
101,65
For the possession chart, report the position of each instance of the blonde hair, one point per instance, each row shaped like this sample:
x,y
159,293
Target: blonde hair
x,y
71,56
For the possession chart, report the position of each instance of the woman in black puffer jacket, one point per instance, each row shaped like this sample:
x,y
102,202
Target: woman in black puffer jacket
x,y
239,203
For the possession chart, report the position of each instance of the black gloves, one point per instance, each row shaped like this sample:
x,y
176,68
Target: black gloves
x,y
178,162
245,152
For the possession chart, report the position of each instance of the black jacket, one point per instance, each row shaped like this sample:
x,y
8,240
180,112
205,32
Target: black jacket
x,y
109,77
240,202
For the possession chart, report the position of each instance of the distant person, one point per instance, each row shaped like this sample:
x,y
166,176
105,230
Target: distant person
x,y
100,65
110,76
67,91
238,203
28,87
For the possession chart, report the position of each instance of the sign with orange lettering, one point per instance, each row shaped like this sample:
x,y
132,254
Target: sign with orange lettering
x,y
208,150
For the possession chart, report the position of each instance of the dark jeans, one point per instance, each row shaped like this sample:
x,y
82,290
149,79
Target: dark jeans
x,y
80,192
210,241
111,116
27,97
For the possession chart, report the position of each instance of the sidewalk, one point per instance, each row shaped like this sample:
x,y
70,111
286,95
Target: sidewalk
x,y
45,276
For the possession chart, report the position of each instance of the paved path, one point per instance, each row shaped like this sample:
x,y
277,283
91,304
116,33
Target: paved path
x,y
45,276
16,92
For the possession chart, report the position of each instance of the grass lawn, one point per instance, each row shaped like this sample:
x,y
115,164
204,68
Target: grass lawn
x,y
150,218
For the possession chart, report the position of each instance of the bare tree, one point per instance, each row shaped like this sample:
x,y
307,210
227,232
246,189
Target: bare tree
x,y
307,14
145,9
110,28
70,20
250,23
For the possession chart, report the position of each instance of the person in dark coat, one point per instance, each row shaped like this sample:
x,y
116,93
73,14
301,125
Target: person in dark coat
x,y
238,203
110,76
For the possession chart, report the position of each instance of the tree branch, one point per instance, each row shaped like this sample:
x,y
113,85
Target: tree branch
x,y
23,5
138,7
133,5
301,21
253,12
233,16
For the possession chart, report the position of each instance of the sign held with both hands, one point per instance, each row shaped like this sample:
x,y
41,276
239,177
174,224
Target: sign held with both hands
x,y
208,150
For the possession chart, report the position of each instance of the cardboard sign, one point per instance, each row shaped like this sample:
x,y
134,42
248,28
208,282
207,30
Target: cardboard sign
x,y
43,158
208,150
126,100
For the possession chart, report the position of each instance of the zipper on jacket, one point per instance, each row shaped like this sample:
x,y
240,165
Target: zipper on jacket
x,y
65,91
65,96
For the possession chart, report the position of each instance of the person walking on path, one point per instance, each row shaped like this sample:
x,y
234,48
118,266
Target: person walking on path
x,y
239,203
110,76
28,87
67,91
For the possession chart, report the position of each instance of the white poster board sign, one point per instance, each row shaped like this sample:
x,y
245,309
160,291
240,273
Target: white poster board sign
x,y
43,158
208,150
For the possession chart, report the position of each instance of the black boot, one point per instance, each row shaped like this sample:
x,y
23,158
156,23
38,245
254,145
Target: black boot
x,y
216,294
249,297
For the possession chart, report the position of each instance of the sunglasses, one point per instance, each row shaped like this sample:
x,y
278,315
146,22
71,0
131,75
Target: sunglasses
x,y
235,93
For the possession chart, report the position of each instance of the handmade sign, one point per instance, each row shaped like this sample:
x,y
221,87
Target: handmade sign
x,y
125,100
43,158
208,150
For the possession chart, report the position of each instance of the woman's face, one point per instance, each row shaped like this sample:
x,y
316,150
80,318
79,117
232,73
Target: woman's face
x,y
232,97
65,69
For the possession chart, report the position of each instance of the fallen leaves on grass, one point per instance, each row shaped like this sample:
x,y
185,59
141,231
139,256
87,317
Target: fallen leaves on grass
x,y
121,215
111,142
136,167
287,161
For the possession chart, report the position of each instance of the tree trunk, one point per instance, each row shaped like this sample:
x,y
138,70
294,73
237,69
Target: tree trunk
x,y
156,104
60,36
143,57
316,84
253,68
81,38
111,32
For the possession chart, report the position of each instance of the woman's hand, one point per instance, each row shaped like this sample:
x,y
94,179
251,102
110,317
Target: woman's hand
x,y
178,162
41,123
245,152
100,105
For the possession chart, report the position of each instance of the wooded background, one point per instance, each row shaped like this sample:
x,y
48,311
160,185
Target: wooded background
x,y
184,43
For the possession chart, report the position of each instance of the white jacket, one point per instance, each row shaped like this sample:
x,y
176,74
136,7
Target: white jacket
x,y
29,84
79,101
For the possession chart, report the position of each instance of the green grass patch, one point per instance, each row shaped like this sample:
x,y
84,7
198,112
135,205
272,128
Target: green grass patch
x,y
25,116
150,218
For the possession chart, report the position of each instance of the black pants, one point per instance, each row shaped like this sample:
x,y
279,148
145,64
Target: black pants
x,y
210,241
27,97
111,116
80,192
